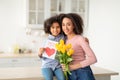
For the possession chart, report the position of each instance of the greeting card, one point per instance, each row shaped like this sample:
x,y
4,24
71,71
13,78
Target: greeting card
x,y
50,50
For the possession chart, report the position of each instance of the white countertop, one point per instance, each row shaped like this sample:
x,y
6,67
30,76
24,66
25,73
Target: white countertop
x,y
29,73
15,55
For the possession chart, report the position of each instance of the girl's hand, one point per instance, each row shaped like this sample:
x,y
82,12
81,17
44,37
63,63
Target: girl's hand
x,y
86,39
41,50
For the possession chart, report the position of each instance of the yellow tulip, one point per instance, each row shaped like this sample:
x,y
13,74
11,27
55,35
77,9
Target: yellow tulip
x,y
70,52
62,42
68,46
63,50
61,45
64,47
58,47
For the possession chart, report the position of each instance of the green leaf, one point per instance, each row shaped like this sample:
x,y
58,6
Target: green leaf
x,y
61,61
69,59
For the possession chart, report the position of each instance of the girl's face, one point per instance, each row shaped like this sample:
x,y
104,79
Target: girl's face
x,y
67,26
55,29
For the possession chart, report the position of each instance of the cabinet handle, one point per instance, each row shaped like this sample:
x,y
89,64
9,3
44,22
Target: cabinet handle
x,y
14,60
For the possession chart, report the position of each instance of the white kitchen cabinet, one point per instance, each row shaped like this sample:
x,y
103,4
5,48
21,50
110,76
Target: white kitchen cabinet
x,y
39,10
19,62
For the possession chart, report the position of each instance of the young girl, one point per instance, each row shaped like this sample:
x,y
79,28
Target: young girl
x,y
51,67
83,56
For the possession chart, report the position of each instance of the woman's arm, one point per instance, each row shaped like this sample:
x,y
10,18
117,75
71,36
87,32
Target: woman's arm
x,y
90,56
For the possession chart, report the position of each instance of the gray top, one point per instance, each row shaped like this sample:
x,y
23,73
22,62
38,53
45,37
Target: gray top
x,y
52,63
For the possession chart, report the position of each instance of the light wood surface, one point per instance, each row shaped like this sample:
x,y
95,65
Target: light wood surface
x,y
21,73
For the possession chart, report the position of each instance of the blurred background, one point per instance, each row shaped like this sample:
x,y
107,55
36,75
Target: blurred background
x,y
20,28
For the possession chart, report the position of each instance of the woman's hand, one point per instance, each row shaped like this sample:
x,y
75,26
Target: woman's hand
x,y
71,66
63,67
41,50
74,66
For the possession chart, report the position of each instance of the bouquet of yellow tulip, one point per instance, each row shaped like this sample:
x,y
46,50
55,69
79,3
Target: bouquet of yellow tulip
x,y
64,55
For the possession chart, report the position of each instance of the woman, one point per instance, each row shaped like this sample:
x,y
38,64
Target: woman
x,y
83,56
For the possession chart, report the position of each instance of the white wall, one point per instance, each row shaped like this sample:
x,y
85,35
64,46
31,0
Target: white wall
x,y
103,32
13,24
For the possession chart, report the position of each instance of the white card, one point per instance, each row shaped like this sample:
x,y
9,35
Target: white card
x,y
50,50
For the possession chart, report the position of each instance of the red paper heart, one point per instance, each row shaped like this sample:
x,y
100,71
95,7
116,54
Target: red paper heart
x,y
49,51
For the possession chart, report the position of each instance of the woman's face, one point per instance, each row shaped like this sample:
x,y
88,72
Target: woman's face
x,y
55,29
67,26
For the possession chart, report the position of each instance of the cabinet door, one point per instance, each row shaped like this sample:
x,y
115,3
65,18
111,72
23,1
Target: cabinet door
x,y
5,62
57,7
23,62
14,62
39,10
20,62
70,6
36,14
80,7
35,62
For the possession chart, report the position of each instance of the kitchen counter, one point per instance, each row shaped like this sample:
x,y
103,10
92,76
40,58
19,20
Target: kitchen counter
x,y
15,55
19,60
34,73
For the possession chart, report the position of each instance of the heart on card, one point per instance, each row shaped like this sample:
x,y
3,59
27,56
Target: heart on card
x,y
49,51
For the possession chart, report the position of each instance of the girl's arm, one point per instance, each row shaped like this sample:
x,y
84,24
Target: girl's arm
x,y
40,52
